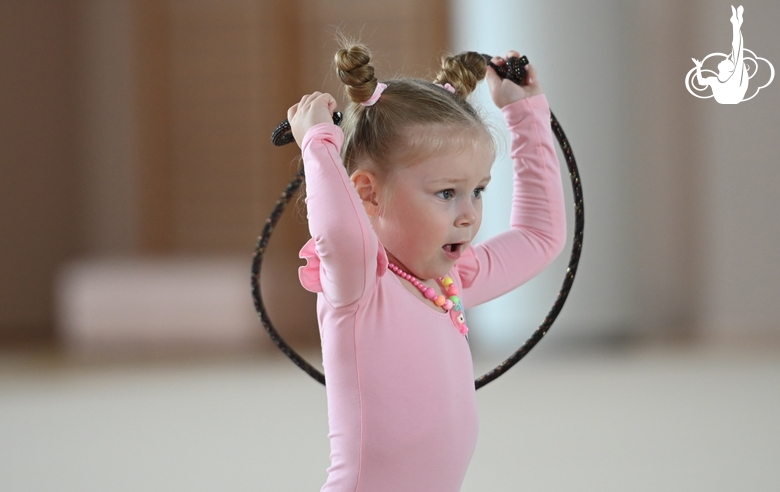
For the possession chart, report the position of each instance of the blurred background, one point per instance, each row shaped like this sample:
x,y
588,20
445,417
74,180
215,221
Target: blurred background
x,y
136,172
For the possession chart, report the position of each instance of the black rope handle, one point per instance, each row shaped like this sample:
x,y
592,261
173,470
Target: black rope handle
x,y
515,71
282,134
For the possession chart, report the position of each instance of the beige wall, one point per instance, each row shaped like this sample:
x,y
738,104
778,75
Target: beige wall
x,y
142,128
706,178
139,127
39,178
681,196
738,296
663,181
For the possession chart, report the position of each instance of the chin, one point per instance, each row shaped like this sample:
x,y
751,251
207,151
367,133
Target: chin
x,y
445,270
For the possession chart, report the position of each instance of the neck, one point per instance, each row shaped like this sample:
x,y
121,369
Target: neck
x,y
392,259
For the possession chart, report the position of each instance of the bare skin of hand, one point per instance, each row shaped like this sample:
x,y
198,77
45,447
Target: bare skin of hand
x,y
313,109
504,91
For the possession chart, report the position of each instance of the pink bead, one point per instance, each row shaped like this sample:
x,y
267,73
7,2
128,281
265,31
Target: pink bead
x,y
452,291
429,293
448,305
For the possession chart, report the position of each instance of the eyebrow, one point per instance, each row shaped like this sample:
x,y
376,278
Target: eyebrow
x,y
456,181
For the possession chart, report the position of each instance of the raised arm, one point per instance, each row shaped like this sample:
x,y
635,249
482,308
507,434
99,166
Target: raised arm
x,y
699,78
344,245
343,239
736,38
538,220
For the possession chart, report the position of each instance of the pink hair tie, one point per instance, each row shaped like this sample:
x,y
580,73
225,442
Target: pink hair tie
x,y
380,88
447,86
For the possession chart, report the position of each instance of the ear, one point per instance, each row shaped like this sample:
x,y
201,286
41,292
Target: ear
x,y
367,187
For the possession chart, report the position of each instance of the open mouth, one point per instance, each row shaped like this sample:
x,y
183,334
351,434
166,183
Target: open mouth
x,y
452,248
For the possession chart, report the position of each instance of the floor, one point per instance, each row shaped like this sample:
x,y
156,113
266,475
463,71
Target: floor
x,y
619,419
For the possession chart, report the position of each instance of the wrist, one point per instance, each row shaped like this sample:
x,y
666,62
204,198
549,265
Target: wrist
x,y
517,111
327,131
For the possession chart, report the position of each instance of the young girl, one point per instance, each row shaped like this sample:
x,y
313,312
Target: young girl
x,y
394,201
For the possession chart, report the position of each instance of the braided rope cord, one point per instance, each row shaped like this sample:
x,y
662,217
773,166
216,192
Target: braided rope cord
x,y
513,70
257,262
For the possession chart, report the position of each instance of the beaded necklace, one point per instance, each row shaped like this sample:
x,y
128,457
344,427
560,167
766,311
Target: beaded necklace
x,y
451,303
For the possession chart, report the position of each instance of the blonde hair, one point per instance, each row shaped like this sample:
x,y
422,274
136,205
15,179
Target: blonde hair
x,y
380,136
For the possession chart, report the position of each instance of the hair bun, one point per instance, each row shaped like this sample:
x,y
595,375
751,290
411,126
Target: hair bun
x,y
354,71
462,71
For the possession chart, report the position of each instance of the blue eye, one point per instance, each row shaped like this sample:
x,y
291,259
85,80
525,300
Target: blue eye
x,y
445,194
478,192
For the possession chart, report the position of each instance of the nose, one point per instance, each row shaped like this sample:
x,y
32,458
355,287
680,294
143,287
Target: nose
x,y
467,213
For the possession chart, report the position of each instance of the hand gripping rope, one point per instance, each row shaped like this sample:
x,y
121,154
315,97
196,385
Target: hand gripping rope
x,y
515,71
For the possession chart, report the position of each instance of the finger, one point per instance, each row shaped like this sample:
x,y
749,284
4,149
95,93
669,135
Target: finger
x,y
291,112
493,80
327,100
531,78
497,60
332,104
303,102
512,54
308,98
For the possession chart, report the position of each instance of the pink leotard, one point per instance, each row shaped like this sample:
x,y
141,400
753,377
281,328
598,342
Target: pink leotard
x,y
400,382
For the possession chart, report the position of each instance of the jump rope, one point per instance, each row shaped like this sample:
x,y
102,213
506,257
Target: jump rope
x,y
514,70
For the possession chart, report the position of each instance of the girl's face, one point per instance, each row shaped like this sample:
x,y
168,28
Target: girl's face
x,y
434,209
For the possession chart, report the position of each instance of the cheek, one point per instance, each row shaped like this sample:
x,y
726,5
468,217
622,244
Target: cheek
x,y
422,223
478,209
411,207
423,228
406,215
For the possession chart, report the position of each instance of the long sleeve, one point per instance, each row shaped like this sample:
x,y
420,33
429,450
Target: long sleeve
x,y
538,220
343,264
